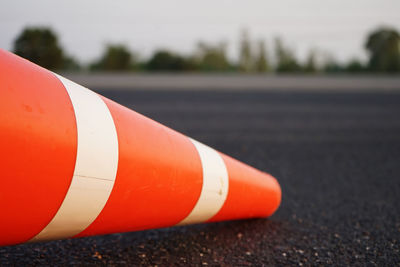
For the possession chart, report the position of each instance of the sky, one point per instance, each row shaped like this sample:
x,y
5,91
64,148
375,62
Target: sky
x,y
85,27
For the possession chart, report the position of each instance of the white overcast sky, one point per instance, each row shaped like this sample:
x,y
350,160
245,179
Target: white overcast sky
x,y
84,27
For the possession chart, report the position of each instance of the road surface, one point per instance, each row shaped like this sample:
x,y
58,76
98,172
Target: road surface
x,y
335,154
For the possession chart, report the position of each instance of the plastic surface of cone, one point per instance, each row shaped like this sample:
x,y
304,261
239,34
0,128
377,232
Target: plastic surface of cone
x,y
76,164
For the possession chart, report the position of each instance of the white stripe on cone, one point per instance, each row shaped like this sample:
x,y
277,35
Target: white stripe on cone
x,y
95,168
215,185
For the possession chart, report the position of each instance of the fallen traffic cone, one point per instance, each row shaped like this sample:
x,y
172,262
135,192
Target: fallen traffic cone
x,y
78,164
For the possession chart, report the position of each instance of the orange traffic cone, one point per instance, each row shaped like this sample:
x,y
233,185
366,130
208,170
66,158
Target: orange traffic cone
x,y
76,164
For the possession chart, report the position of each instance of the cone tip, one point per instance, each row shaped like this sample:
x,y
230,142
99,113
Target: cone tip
x,y
276,195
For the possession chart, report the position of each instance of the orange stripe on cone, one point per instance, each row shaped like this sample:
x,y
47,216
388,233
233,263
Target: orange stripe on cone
x,y
126,171
38,144
252,193
158,180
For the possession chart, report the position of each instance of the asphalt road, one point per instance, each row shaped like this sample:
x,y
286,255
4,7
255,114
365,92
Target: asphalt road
x,y
335,154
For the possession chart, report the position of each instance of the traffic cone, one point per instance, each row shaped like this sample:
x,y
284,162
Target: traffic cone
x,y
77,164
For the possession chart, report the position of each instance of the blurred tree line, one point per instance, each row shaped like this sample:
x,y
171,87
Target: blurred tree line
x,y
41,45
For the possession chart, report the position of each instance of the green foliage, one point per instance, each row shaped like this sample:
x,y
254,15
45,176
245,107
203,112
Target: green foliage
x,y
245,54
40,45
383,46
163,60
115,58
71,64
211,57
332,67
311,62
261,61
354,66
286,60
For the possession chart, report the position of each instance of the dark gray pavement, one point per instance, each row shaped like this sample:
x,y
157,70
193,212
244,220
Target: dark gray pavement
x,y
335,154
